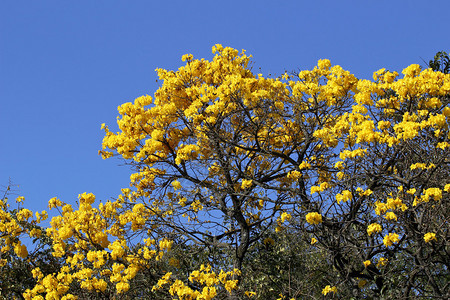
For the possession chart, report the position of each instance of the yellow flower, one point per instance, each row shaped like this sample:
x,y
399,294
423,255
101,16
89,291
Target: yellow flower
x,y
317,189
65,232
20,199
442,145
24,214
382,262
447,188
380,207
411,191
390,216
329,289
428,237
324,64
285,217
164,280
366,263
412,70
434,193
378,73
344,196
373,228
231,285
314,218
86,198
54,202
390,239
165,244
313,241
176,185
279,105
249,294
246,183
187,57
294,175
36,272
21,250
35,232
122,287
117,249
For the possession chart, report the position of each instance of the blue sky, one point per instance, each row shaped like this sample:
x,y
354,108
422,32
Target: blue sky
x,y
65,66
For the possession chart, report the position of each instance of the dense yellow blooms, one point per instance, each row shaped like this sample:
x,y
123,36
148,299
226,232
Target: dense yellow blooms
x,y
181,140
344,196
391,216
329,289
373,228
314,218
390,239
428,237
430,193
317,189
382,262
21,250
246,183
205,277
285,217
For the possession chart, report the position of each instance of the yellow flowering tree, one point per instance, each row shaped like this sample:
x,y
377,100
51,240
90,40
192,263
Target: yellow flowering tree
x,y
221,154
18,227
387,188
227,164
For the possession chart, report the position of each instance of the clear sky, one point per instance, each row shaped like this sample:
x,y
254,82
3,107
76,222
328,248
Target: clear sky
x,y
65,66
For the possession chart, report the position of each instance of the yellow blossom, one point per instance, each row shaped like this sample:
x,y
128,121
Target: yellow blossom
x,y
246,183
373,228
390,216
285,217
428,237
314,218
390,239
344,196
329,289
21,250
122,287
249,294
382,262
176,185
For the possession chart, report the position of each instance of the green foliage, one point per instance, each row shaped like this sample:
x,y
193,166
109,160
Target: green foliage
x,y
441,62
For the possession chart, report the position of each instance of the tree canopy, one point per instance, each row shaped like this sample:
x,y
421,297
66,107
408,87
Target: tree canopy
x,y
313,184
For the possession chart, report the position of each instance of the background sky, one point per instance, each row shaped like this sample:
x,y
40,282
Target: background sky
x,y
65,66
